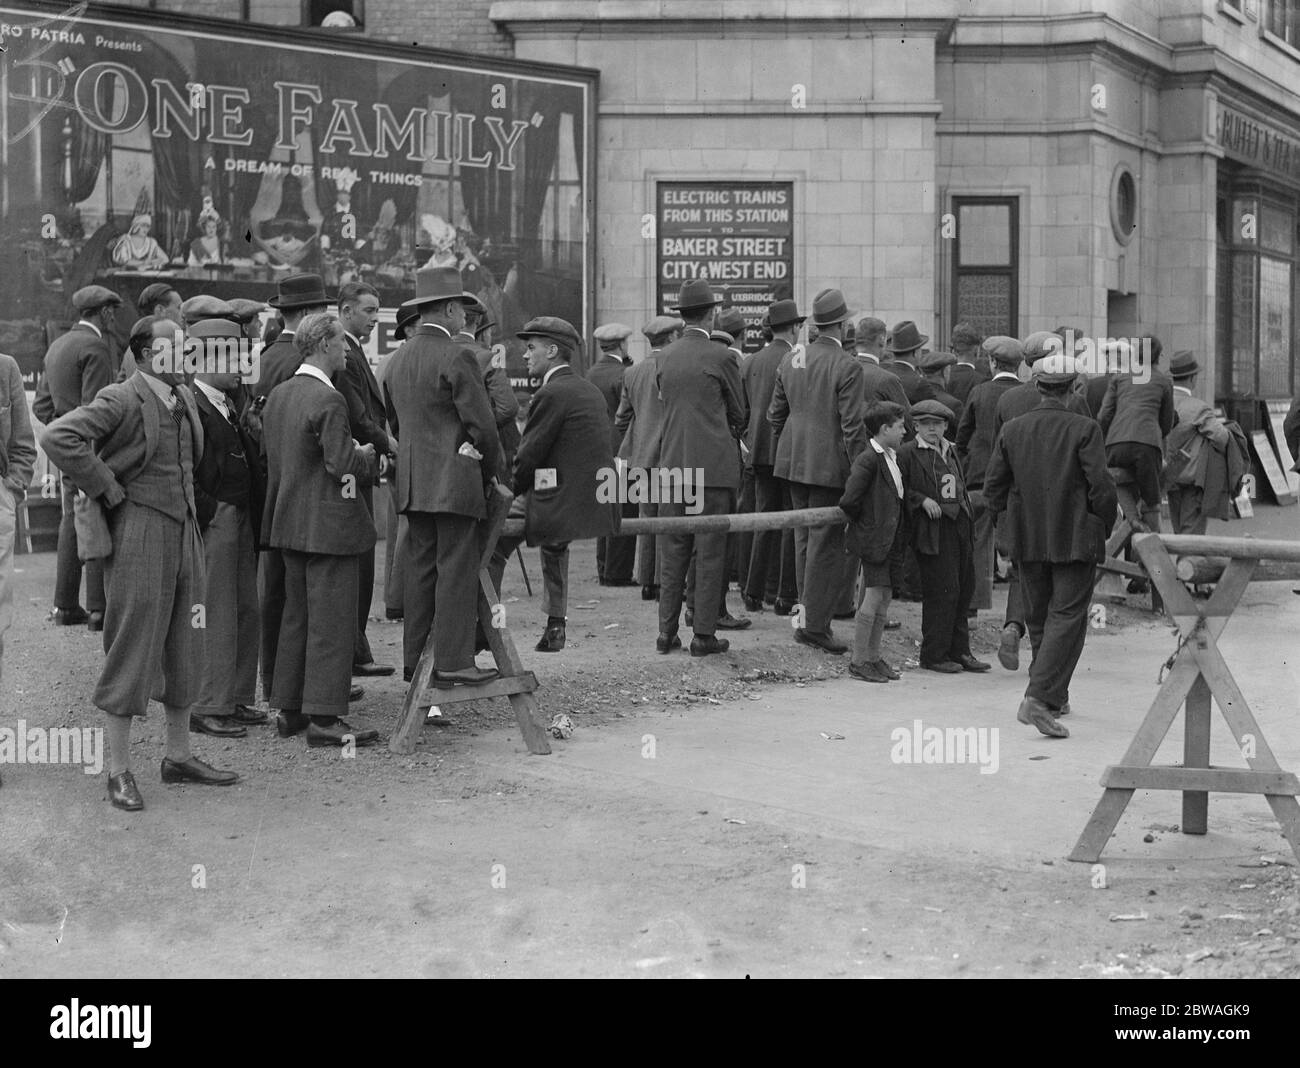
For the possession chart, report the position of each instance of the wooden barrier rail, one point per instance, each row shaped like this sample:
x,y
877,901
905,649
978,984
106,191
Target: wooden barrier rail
x,y
742,523
1198,671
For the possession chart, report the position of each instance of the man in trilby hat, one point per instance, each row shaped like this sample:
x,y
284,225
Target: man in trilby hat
x,y
905,344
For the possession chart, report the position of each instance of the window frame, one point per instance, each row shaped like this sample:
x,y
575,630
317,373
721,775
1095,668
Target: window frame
x,y
1011,271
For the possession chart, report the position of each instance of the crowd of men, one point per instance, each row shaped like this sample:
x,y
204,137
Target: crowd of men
x,y
226,521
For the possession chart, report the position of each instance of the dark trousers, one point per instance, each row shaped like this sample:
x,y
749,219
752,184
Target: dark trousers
x,y
270,591
442,554
1056,612
769,567
312,665
740,547
647,564
361,653
1144,462
67,567
947,584
819,558
394,557
1015,599
985,522
555,573
674,551
615,557
1185,510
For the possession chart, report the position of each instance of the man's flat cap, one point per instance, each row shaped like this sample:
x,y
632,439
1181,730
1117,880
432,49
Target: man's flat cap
x,y
1056,368
931,409
722,337
1041,343
215,328
243,310
662,324
612,334
153,293
730,321
205,307
1005,351
548,326
88,298
936,361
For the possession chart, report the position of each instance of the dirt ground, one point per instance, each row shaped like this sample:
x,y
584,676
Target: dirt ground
x,y
699,822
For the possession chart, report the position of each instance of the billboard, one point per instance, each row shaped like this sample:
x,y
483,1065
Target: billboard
x,y
738,235
222,157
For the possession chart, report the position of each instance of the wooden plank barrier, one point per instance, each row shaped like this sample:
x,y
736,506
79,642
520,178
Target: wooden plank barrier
x,y
1198,672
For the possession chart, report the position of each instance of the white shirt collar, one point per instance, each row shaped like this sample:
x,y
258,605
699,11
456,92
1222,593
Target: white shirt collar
x,y
437,326
696,330
219,399
1006,374
823,337
84,322
943,449
1183,389
869,356
352,337
547,377
315,372
162,390
966,363
891,462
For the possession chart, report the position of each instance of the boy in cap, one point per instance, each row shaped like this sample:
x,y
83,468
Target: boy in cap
x,y
614,556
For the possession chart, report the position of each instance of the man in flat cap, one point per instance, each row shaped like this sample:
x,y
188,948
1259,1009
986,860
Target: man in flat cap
x,y
205,306
639,420
1048,472
134,449
971,367
77,366
563,471
704,413
772,554
162,302
905,344
1202,466
934,368
816,416
615,557
975,434
1026,396
448,452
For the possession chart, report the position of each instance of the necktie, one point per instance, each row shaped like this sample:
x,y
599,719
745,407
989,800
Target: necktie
x,y
178,410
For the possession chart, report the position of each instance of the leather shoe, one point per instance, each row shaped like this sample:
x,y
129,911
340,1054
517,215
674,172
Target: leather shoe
x,y
249,717
886,670
708,644
867,672
782,608
372,669
730,622
356,693
123,792
69,617
552,640
195,770
1009,647
969,663
753,604
666,643
947,667
288,723
1034,712
892,624
217,726
826,642
649,593
1064,710
95,622
470,676
337,734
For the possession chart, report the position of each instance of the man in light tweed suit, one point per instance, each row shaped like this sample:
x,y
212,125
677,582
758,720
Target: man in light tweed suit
x,y
134,449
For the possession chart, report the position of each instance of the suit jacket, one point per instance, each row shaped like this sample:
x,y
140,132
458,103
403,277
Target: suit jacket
x,y
923,476
276,363
361,395
879,384
436,402
872,504
310,453
501,396
17,443
78,365
113,438
640,416
568,424
1094,392
230,459
1025,398
704,409
1048,472
1141,412
964,377
759,379
975,429
915,386
816,416
606,375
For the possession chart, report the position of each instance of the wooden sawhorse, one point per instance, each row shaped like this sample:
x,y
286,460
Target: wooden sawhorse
x,y
513,682
1198,671
1128,525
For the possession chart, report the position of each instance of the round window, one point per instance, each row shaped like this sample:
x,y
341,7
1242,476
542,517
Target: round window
x,y
1123,204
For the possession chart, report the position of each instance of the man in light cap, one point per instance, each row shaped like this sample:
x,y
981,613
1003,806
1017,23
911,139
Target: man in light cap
x,y
1025,397
639,420
161,301
614,556
934,368
248,314
77,366
563,470
204,306
971,368
975,436
1048,472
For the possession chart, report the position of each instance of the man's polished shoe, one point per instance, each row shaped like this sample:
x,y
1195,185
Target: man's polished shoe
x,y
1009,647
249,717
195,770
649,593
217,726
289,723
95,622
470,676
123,792
666,643
552,640
708,644
752,604
338,734
826,642
969,663
867,672
69,617
782,608
356,693
1034,712
884,668
946,667
730,622
372,670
